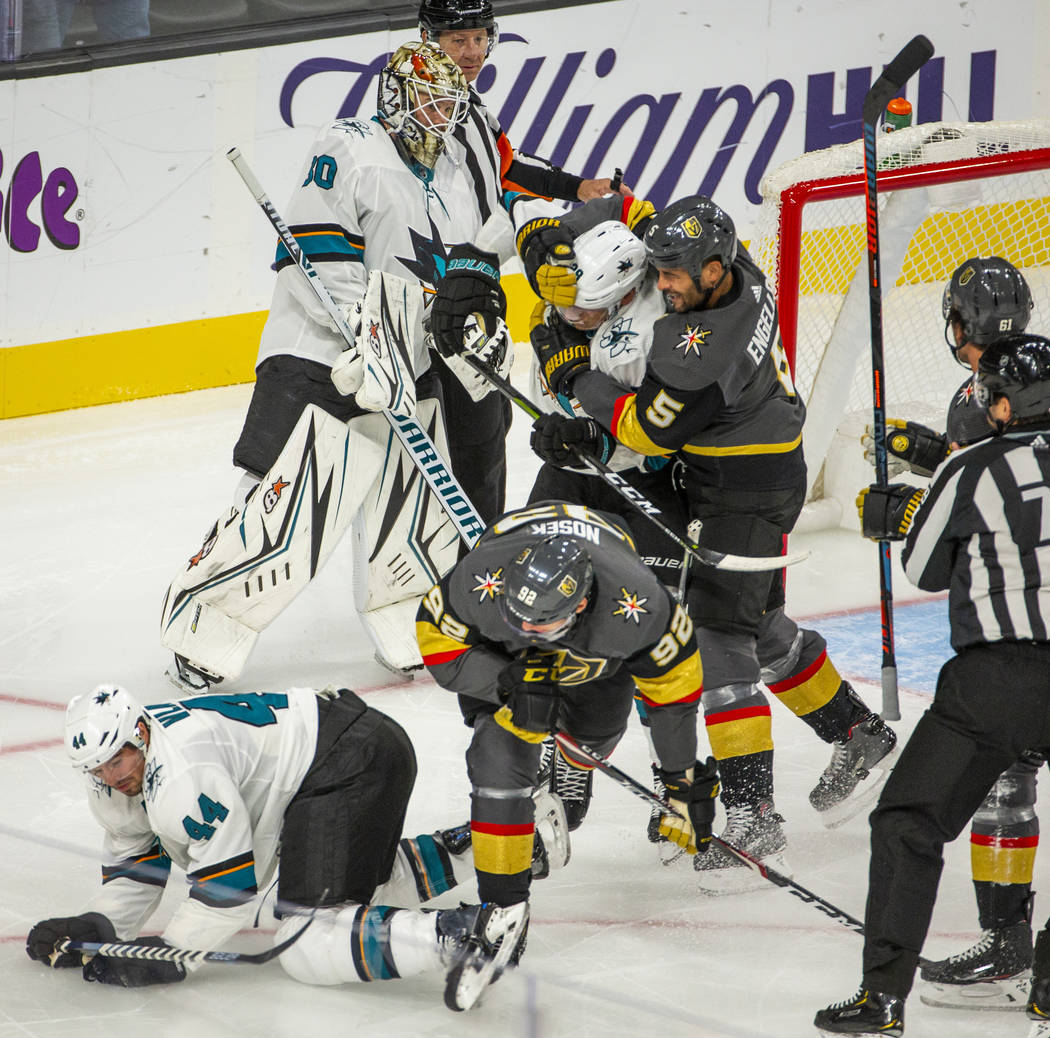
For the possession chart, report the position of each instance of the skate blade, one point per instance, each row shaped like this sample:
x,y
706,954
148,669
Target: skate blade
x,y
740,879
467,982
866,793
1000,996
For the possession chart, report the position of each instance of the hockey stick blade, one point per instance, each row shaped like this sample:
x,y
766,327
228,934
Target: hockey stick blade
x,y
632,785
130,950
911,58
709,557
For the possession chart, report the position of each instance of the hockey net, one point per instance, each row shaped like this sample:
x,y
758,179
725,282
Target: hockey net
x,y
946,191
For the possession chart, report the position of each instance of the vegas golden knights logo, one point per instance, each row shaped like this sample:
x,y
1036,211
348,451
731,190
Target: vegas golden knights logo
x,y
692,227
578,670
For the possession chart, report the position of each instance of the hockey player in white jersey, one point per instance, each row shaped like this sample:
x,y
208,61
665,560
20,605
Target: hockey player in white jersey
x,y
384,194
214,783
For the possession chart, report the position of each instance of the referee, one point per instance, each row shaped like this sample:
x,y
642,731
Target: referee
x,y
982,531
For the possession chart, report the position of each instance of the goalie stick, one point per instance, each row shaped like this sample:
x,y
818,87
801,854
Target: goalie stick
x,y
709,557
914,55
418,445
130,950
632,785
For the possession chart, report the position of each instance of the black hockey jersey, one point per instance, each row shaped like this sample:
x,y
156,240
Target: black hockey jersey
x,y
717,390
631,621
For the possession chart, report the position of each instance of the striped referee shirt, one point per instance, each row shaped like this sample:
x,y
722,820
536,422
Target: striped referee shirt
x,y
983,532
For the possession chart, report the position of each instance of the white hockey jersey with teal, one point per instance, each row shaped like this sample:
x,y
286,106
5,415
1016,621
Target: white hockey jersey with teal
x,y
360,207
220,772
619,348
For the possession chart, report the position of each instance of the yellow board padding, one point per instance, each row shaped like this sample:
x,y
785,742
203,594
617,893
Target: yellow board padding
x,y
128,365
1017,231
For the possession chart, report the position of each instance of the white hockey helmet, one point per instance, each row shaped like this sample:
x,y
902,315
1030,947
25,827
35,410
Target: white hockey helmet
x,y
423,97
98,725
610,261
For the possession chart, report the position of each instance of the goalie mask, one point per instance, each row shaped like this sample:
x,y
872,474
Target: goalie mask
x,y
422,99
99,724
610,262
438,16
544,588
989,298
1017,367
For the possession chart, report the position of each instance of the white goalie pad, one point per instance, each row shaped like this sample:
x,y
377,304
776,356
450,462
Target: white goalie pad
x,y
255,560
404,543
495,351
390,313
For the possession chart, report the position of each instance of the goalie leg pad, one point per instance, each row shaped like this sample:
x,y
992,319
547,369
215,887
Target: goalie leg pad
x,y
257,559
403,542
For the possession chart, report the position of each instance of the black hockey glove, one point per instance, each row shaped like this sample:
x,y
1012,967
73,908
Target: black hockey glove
x,y
692,793
528,687
886,512
42,939
135,973
470,286
563,353
919,449
545,247
563,441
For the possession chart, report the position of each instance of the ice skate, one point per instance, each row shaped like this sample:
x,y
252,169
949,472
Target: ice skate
x,y
994,973
669,852
858,770
572,785
550,848
189,677
1038,1008
867,1012
754,828
478,943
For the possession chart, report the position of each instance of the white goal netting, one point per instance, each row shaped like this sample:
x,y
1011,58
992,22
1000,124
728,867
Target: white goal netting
x,y
947,191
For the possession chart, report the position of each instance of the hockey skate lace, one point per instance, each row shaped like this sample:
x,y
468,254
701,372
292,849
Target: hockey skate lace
x,y
839,762
984,942
570,783
846,1003
739,825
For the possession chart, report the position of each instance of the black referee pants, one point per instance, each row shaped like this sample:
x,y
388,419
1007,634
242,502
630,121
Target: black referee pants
x,y
992,703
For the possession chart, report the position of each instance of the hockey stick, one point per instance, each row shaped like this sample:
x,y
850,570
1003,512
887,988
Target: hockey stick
x,y
130,950
419,446
632,785
914,55
709,557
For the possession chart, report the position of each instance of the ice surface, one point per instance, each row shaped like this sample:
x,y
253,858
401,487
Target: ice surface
x,y
99,507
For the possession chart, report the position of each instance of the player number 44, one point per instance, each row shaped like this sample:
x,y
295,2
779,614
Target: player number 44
x,y
211,811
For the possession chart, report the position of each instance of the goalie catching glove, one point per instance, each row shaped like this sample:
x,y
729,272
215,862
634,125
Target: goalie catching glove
x,y
886,512
565,442
545,247
495,351
528,687
470,286
692,794
912,447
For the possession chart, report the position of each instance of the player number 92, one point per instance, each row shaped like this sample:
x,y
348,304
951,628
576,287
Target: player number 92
x,y
680,634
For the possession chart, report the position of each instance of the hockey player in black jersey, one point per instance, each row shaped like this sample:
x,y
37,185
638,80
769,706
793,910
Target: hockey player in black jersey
x,y
982,532
717,392
985,299
550,624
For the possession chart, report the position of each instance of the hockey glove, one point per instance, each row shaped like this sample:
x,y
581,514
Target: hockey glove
x,y
545,247
692,794
529,689
135,973
913,447
566,442
563,353
494,351
886,512
470,286
42,939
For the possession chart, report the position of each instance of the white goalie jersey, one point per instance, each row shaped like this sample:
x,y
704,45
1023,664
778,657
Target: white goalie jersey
x,y
220,772
360,207
620,349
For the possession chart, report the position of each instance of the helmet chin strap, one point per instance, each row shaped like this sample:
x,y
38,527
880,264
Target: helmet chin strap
x,y
706,293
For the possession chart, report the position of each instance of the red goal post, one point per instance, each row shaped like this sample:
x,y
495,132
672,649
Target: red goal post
x,y
946,191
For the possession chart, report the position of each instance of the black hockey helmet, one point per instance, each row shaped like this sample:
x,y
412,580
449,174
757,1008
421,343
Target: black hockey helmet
x,y
1017,367
438,16
690,232
545,584
989,297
